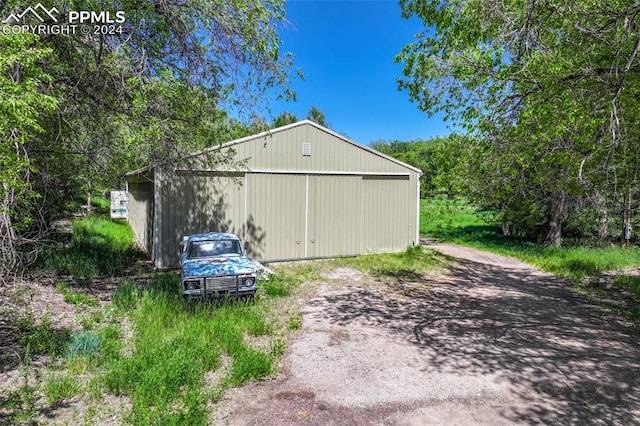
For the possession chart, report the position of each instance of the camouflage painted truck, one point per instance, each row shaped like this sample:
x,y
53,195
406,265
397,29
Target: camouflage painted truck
x,y
214,265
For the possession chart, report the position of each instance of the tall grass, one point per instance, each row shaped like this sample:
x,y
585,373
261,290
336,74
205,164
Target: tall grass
x,y
175,344
459,222
100,246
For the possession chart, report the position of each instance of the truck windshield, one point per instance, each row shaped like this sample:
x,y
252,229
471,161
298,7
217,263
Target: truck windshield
x,y
212,248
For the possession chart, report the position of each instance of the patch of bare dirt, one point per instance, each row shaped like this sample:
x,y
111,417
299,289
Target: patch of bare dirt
x,y
345,274
27,303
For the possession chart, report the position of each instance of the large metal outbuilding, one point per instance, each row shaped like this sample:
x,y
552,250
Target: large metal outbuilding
x,y
302,192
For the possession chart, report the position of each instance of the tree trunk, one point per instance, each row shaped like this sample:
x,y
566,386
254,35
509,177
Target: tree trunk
x,y
506,226
8,257
603,232
88,193
554,232
626,215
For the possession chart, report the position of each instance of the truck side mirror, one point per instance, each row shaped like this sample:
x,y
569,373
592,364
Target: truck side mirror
x,y
246,247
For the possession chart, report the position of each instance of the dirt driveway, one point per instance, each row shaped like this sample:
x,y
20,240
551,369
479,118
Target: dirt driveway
x,y
493,342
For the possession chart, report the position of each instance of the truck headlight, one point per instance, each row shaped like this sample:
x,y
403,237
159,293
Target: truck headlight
x,y
191,285
248,282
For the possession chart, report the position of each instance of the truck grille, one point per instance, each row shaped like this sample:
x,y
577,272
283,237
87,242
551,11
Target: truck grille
x,y
223,283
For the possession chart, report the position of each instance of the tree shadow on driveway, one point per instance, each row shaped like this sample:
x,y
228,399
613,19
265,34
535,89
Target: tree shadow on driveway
x,y
569,361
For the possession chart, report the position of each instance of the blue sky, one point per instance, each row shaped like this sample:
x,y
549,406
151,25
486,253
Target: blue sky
x,y
346,51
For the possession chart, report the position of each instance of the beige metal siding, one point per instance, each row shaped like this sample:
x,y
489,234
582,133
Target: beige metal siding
x,y
413,209
140,204
195,202
334,216
276,216
386,213
283,150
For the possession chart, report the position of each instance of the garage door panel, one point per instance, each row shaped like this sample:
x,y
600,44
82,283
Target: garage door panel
x,y
385,214
275,216
197,203
334,216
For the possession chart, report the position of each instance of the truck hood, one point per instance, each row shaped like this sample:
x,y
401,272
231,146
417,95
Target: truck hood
x,y
212,266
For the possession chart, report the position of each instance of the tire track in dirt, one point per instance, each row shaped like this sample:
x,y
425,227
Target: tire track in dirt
x,y
494,341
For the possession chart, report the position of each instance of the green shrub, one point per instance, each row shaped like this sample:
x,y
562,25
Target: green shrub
x,y
277,347
85,344
295,322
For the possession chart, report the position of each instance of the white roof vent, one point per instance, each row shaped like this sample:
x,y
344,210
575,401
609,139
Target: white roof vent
x,y
306,149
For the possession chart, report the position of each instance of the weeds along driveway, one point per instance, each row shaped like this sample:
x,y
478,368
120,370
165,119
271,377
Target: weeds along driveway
x,y
494,341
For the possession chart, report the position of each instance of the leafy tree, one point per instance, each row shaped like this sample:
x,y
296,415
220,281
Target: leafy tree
x,y
317,116
21,104
548,90
442,161
284,119
105,104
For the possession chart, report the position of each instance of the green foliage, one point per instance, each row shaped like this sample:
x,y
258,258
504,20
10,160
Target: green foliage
x,y
102,204
295,322
629,282
20,403
317,116
283,119
76,116
110,342
277,347
166,285
21,104
547,101
442,160
126,295
438,217
250,364
84,344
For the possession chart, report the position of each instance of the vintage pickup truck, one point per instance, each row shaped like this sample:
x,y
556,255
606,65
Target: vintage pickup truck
x,y
214,264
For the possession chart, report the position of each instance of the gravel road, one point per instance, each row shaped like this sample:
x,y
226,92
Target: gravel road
x,y
494,341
